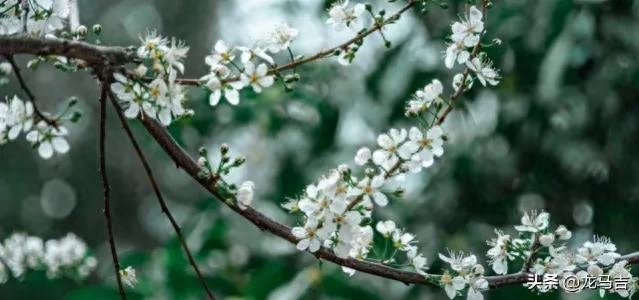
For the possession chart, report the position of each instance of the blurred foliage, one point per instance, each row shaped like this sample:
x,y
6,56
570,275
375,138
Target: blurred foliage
x,y
559,133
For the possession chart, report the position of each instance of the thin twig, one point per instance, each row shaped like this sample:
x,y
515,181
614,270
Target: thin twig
x,y
25,14
534,247
104,87
158,194
25,88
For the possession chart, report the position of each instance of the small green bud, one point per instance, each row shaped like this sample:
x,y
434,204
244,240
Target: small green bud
x,y
75,117
203,151
224,149
97,29
72,101
239,161
81,30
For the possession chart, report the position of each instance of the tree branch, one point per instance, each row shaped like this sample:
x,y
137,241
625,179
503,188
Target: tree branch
x,y
158,194
106,188
93,55
98,55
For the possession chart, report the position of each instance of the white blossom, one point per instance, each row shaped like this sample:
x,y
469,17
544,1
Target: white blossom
x,y
417,260
459,261
257,77
128,276
66,256
423,147
221,54
17,117
468,30
280,37
342,15
498,254
425,97
249,54
456,52
476,286
363,156
457,82
245,194
563,233
547,240
52,16
310,236
533,222
369,189
483,70
387,156
600,250
452,285
402,240
386,228
49,139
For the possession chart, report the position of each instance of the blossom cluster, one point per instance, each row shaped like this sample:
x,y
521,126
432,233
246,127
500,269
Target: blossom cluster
x,y
18,116
45,16
465,43
67,256
465,273
544,251
338,208
154,91
252,68
342,15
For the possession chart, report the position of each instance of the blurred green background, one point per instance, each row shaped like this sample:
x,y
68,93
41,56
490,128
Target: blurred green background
x,y
559,133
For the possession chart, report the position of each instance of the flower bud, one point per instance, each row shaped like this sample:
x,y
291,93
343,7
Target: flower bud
x,y
97,28
81,30
370,172
201,162
203,151
343,169
239,161
478,269
363,156
141,70
546,240
5,68
224,149
563,233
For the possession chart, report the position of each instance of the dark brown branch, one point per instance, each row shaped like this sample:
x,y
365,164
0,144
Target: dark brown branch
x,y
25,88
93,55
106,188
158,194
